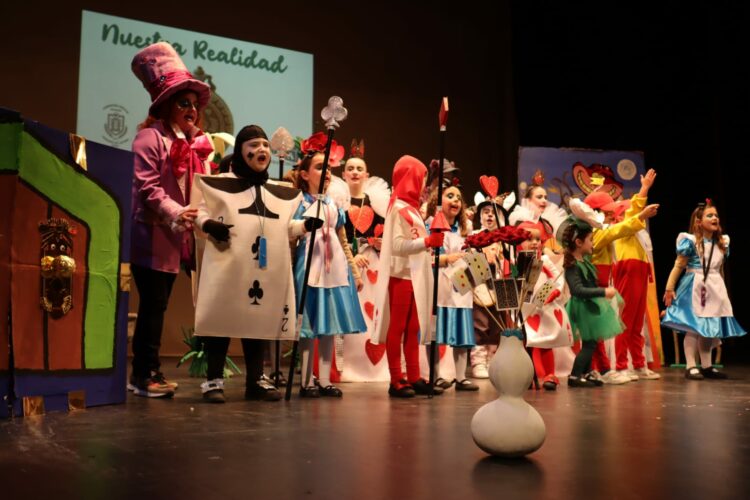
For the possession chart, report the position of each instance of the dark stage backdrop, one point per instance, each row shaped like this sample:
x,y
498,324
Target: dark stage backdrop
x,y
669,81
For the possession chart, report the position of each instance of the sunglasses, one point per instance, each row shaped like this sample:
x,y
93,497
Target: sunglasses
x,y
187,104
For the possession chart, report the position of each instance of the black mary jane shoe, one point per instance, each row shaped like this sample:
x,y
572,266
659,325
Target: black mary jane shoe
x,y
330,391
693,373
442,383
713,373
401,391
465,385
309,392
422,387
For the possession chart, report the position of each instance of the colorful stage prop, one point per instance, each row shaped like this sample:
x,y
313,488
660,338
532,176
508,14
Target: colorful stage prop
x,y
64,277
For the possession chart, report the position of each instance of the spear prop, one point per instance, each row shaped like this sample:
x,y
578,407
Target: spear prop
x,y
333,113
281,143
438,224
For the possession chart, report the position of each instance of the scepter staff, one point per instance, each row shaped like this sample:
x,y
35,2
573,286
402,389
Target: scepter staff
x,y
438,224
281,143
333,113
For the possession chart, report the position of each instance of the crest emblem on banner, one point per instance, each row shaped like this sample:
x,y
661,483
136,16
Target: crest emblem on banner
x,y
115,127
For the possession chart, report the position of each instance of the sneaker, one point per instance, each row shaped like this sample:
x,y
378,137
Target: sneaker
x,y
647,374
400,390
272,379
262,390
693,373
574,381
422,387
150,388
480,371
631,374
213,391
595,378
159,377
713,373
465,385
613,377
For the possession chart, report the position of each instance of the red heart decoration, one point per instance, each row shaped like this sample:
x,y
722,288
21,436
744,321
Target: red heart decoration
x,y
361,217
378,230
369,309
559,316
374,352
441,351
490,185
372,276
533,321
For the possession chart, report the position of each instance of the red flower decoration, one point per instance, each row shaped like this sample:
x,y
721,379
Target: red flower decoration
x,y
337,154
316,143
507,234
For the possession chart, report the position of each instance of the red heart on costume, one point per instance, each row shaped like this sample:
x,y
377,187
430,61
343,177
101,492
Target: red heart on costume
x,y
374,352
361,217
369,309
490,185
372,276
441,351
533,321
559,316
378,230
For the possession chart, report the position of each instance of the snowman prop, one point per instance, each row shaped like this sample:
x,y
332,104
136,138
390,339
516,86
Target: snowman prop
x,y
507,426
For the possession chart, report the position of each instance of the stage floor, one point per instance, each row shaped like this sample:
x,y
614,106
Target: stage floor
x,y
649,439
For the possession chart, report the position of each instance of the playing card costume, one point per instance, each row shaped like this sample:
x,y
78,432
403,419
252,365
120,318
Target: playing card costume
x,y
246,288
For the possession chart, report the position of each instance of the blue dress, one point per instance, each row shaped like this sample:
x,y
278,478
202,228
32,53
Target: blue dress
x,y
711,317
455,323
329,310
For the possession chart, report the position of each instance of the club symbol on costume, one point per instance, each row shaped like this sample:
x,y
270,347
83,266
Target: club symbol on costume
x,y
255,293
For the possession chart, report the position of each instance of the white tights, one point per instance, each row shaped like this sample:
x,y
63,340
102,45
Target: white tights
x,y
703,345
325,356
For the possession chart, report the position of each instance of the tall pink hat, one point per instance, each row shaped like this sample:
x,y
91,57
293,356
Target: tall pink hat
x,y
163,74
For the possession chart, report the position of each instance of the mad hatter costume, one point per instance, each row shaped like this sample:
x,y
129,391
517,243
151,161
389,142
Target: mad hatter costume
x,y
169,149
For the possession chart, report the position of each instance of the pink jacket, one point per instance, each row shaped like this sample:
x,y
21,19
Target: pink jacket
x,y
157,201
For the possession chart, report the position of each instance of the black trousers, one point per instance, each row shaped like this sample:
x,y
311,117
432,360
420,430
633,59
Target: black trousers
x,y
154,288
582,363
216,352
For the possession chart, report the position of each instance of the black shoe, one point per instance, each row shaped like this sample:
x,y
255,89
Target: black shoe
x,y
713,373
594,379
282,379
422,387
262,390
331,391
443,384
309,392
549,386
574,381
693,373
214,396
401,390
465,385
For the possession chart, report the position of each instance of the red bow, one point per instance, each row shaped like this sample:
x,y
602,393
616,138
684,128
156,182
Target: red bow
x,y
183,154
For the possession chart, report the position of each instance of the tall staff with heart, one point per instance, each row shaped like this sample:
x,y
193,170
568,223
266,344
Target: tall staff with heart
x,y
333,114
439,223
